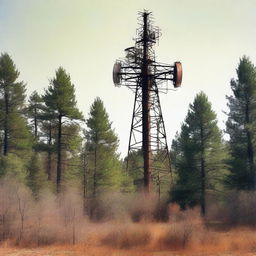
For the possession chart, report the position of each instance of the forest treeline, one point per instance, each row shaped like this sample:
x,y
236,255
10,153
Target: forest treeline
x,y
48,145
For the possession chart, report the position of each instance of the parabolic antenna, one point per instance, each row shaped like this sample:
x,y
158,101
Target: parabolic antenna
x,y
116,74
177,76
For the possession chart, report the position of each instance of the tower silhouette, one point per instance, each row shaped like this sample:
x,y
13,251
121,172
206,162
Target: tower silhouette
x,y
146,77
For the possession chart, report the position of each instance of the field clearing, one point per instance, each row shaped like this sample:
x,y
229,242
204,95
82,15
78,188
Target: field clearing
x,y
129,240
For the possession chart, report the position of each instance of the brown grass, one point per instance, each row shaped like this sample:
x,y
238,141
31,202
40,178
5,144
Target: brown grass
x,y
153,239
120,225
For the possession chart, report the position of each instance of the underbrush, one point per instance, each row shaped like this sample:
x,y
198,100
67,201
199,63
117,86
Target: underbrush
x,y
125,222
127,236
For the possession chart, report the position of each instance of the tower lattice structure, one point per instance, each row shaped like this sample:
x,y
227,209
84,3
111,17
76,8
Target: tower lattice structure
x,y
146,77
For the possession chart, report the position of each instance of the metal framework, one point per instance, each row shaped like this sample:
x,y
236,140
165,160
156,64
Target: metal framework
x,y
140,72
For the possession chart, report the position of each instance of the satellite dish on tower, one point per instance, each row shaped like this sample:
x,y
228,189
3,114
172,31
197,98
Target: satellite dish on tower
x,y
177,76
116,74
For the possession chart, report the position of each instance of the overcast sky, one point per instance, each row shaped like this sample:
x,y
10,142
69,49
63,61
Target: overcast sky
x,y
86,37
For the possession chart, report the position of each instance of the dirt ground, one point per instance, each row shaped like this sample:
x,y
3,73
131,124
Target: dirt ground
x,y
79,250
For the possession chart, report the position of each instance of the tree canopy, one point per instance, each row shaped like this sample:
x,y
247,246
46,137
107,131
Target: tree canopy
x,y
241,127
199,154
102,144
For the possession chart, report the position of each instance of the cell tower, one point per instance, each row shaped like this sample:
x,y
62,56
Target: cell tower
x,y
146,77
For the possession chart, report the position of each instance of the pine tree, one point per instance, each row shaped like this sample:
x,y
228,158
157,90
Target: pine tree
x,y
15,133
101,146
199,153
241,126
60,99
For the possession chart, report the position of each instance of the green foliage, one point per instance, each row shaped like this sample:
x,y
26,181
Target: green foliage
x,y
72,147
15,90
199,155
135,169
160,173
126,183
101,144
241,127
14,132
36,177
60,96
13,167
72,140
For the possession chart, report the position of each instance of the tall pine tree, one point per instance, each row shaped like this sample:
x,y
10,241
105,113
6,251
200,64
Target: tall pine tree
x,y
101,146
15,134
241,126
199,155
60,99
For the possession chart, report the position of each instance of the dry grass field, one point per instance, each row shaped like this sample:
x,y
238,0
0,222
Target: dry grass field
x,y
146,239
123,226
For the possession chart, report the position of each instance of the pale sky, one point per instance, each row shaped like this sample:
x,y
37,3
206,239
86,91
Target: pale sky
x,y
86,37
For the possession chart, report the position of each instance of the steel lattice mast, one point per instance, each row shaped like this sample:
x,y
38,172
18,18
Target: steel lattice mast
x,y
140,72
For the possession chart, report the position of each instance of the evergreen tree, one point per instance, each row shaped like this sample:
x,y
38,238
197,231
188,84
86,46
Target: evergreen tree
x,y
60,99
199,154
241,127
101,146
15,135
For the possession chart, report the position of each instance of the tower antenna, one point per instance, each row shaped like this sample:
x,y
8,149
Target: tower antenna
x,y
140,72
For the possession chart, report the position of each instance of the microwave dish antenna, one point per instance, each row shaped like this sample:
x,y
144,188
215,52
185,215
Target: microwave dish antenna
x,y
117,74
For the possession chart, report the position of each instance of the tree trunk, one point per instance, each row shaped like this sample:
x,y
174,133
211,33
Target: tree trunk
x,y
6,125
59,142
85,183
95,173
49,154
202,199
250,157
35,122
203,211
74,227
250,153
